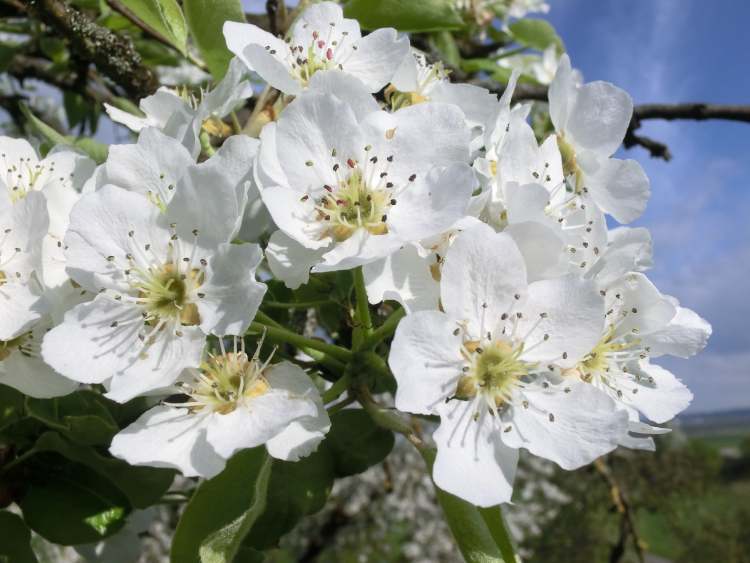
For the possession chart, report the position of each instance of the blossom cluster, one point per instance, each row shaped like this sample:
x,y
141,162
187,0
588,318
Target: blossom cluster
x,y
530,322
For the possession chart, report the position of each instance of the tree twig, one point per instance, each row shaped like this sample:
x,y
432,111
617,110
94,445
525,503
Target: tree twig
x,y
113,55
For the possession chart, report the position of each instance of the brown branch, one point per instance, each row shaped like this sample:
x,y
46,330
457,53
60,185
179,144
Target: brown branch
x,y
655,148
696,111
621,503
113,55
23,67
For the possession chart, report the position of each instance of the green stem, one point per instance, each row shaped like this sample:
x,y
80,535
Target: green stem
x,y
493,517
276,334
363,326
341,385
17,461
261,317
384,330
298,305
340,406
236,126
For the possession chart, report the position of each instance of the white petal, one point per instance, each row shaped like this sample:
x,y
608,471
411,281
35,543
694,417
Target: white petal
x,y
357,250
86,348
432,203
290,398
685,335
660,395
99,227
620,188
477,103
561,90
289,261
404,276
426,361
572,429
293,216
628,250
472,462
376,58
542,250
306,134
211,196
644,308
169,437
573,313
20,308
346,88
599,118
482,274
232,294
32,377
150,166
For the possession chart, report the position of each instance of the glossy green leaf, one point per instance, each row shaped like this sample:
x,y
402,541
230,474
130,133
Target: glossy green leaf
x,y
206,19
537,34
69,503
14,547
295,490
80,416
445,44
469,524
405,15
356,442
143,486
221,508
163,16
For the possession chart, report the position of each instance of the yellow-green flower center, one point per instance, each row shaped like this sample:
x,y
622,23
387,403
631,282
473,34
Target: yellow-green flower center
x,y
165,293
494,371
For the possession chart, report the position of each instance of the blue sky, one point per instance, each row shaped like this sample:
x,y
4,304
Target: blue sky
x,y
699,214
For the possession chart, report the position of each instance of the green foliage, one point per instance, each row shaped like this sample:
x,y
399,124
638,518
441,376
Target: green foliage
x,y
468,526
295,490
69,503
163,16
405,15
445,44
223,509
356,442
206,19
537,34
14,547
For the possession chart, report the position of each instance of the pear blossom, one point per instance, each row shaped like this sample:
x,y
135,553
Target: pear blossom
x,y
541,68
641,323
183,116
21,363
320,39
591,121
23,227
59,177
232,401
164,278
417,81
347,183
485,365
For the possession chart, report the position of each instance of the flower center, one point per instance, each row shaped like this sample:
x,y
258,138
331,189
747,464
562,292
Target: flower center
x,y
165,293
321,54
607,352
570,164
21,177
352,206
21,343
224,381
494,371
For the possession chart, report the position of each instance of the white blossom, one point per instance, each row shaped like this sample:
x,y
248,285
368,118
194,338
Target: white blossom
x,y
347,183
482,366
231,402
163,279
320,39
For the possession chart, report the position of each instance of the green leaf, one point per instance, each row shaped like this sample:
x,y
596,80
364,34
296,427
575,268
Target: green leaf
x,y
80,416
356,442
445,44
295,490
537,34
94,149
11,405
219,511
163,16
469,527
69,503
206,19
405,15
15,546
143,486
